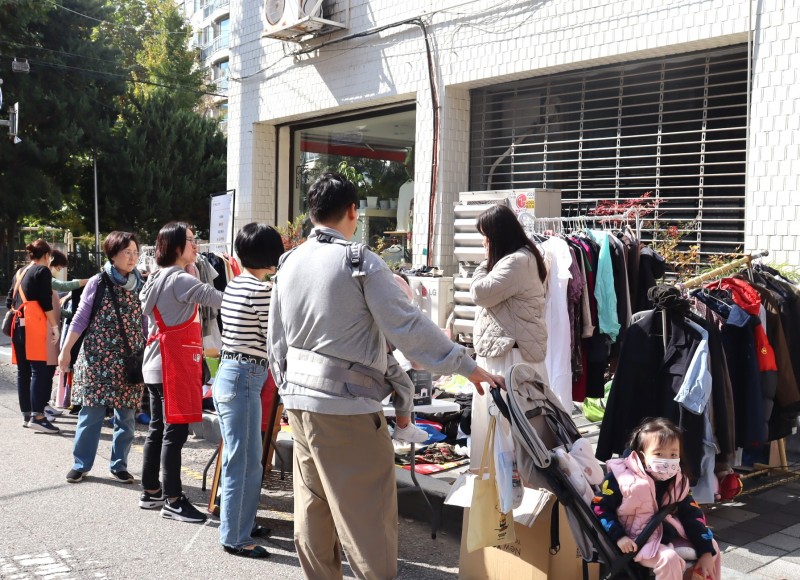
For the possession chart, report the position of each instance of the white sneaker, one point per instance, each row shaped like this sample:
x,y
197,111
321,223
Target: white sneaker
x,y
50,410
50,416
410,434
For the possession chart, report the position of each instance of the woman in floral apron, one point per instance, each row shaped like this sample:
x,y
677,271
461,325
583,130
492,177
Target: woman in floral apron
x,y
99,371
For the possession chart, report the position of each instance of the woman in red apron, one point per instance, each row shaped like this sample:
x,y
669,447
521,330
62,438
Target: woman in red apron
x,y
35,324
172,368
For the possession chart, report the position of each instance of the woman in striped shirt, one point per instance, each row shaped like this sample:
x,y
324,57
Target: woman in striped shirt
x,y
238,384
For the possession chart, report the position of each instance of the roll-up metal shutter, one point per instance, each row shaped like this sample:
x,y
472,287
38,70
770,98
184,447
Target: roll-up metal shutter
x,y
672,126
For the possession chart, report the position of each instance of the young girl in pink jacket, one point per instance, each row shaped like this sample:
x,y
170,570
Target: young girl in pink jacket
x,y
643,482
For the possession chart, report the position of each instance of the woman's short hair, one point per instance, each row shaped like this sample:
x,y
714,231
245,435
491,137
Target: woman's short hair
x,y
37,249
58,260
116,241
170,243
258,246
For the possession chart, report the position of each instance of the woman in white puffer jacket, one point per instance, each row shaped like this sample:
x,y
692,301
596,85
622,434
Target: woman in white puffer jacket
x,y
509,290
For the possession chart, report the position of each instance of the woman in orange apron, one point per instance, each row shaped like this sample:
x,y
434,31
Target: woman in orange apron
x,y
35,324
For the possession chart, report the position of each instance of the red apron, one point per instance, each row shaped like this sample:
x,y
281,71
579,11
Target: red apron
x,y
181,369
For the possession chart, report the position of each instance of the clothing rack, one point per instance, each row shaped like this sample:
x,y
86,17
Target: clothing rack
x,y
584,221
777,461
718,272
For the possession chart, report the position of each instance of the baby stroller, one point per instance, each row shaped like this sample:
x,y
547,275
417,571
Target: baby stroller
x,y
545,435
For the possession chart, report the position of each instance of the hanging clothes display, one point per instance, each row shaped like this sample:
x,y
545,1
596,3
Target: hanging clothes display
x,y
593,274
718,361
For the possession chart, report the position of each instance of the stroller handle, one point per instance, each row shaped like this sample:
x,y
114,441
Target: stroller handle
x,y
501,404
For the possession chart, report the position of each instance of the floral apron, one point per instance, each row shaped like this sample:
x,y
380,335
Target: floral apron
x,y
99,373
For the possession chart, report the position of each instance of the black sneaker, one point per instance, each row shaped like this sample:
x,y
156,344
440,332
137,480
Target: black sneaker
x,y
122,476
75,476
254,552
26,420
42,426
151,501
183,511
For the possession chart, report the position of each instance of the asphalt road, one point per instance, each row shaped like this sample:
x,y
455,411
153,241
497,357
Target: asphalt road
x,y
95,529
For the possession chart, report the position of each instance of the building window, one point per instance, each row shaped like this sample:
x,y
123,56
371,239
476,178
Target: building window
x,y
377,146
672,126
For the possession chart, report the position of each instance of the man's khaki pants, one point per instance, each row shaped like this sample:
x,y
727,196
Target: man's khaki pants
x,y
344,491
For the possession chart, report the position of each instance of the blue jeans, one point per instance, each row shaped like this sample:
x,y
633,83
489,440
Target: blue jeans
x,y
237,398
87,437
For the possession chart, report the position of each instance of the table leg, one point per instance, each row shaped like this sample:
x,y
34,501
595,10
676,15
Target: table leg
x,y
208,466
417,486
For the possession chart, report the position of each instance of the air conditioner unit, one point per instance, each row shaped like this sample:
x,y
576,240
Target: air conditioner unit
x,y
296,19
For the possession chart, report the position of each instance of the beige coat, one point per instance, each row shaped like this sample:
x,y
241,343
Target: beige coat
x,y
511,301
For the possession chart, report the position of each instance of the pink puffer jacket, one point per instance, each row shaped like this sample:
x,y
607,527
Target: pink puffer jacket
x,y
639,501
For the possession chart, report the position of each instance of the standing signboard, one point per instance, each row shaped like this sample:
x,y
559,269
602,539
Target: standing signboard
x,y
220,231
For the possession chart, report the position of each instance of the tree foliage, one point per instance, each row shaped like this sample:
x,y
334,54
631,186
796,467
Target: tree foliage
x,y
67,103
115,80
165,163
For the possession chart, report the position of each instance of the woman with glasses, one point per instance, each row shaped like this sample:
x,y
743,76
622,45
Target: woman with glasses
x,y
109,317
175,295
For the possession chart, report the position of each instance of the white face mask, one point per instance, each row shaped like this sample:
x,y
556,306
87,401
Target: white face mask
x,y
662,469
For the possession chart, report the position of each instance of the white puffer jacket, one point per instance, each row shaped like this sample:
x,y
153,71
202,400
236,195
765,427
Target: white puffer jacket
x,y
511,301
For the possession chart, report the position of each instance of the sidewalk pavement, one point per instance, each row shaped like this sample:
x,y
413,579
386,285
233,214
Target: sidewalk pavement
x,y
759,533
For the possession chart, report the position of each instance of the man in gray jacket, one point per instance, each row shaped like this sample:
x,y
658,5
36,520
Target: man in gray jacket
x,y
333,308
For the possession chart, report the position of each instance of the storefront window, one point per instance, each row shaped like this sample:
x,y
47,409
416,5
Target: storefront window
x,y
377,153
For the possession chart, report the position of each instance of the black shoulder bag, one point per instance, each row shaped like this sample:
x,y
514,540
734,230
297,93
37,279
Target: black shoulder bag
x,y
133,360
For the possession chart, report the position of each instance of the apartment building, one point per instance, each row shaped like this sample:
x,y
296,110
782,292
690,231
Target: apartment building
x,y
210,21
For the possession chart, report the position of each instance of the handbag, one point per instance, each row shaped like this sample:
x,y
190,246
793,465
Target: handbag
x,y
181,369
8,319
488,526
133,360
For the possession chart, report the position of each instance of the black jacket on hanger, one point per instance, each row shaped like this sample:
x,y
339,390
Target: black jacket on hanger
x,y
645,385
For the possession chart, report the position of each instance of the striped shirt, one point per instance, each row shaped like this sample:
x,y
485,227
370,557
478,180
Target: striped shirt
x,y
245,311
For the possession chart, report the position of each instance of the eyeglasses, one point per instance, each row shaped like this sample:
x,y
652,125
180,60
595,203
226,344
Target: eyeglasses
x,y
192,241
130,253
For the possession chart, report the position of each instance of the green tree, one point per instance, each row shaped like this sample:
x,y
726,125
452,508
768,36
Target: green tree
x,y
153,37
164,163
67,103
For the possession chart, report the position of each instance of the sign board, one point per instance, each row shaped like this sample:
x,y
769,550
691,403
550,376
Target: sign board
x,y
220,231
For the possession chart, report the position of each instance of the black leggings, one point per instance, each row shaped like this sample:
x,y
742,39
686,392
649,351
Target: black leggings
x,y
162,448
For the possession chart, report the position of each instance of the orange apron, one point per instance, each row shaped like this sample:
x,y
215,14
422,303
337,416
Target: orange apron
x,y
35,330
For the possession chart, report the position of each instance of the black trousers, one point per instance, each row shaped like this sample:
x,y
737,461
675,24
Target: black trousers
x,y
162,448
34,378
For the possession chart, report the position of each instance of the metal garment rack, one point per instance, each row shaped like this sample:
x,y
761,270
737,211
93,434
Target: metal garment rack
x,y
779,464
583,222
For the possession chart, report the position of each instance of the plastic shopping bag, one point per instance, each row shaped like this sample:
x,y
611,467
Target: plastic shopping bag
x,y
509,486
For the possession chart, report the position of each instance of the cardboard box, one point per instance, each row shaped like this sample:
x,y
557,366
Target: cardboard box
x,y
423,385
527,558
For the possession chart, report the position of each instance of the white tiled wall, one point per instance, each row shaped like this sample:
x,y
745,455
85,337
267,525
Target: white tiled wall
x,y
772,207
490,41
